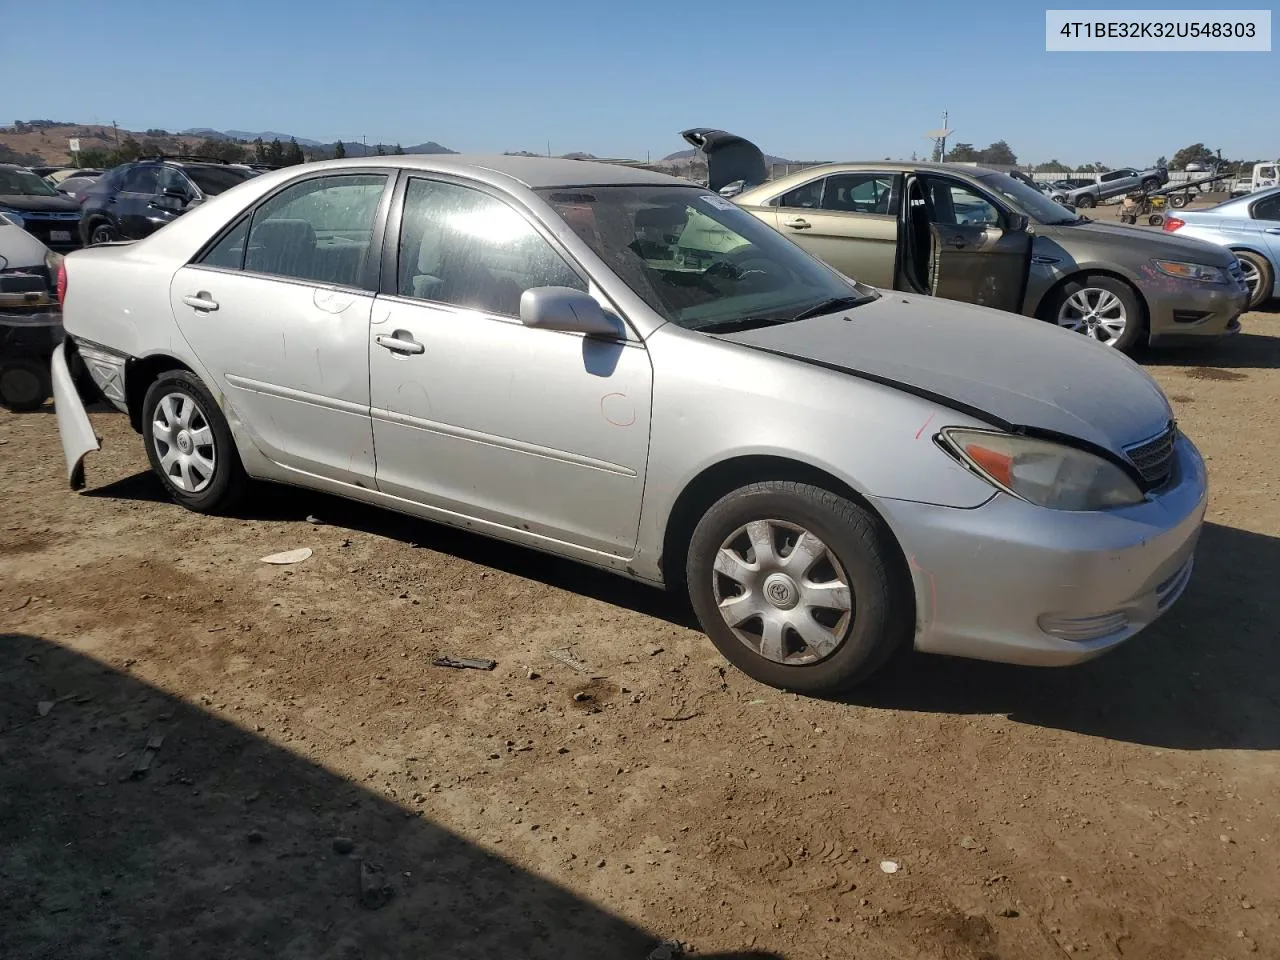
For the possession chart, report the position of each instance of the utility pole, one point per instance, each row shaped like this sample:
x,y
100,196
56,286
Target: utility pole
x,y
116,128
548,148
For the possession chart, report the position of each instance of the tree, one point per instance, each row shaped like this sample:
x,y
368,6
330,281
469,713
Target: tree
x,y
130,149
339,150
1052,166
380,150
999,153
962,153
293,153
1162,162
397,151
1196,153
275,153
259,150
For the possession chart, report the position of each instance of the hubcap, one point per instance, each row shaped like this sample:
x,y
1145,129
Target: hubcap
x,y
101,235
782,592
184,443
1251,276
1096,313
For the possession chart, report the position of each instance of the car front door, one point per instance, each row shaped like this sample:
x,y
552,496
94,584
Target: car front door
x,y
1266,217
131,203
537,432
848,220
980,254
278,310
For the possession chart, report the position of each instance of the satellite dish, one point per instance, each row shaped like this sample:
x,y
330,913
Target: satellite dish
x,y
939,134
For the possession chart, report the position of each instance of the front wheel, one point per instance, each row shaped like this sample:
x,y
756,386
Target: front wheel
x,y
1150,184
798,587
1101,307
1086,201
102,232
189,444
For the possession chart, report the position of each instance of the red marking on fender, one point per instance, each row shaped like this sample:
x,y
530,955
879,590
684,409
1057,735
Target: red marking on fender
x,y
923,425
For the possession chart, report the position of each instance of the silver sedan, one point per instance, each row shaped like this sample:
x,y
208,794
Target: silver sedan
x,y
626,369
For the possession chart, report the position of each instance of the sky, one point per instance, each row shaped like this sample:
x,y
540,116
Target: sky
x,y
805,79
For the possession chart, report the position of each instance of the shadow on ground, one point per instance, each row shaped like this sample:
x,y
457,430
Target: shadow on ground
x,y
284,504
1205,676
225,846
1244,351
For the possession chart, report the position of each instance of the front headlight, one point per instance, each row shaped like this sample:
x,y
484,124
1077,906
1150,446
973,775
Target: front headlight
x,y
1191,271
1047,474
12,216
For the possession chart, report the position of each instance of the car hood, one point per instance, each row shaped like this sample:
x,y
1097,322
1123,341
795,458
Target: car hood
x,y
24,201
1012,371
1146,242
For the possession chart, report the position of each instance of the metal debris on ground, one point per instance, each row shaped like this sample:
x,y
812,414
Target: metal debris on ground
x,y
465,663
314,520
889,866
288,556
148,754
573,663
375,890
667,950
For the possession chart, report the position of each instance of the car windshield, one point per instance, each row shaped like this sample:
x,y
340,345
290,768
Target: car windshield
x,y
213,180
698,260
1031,202
23,183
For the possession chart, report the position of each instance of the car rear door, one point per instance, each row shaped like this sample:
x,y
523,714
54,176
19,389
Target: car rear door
x,y
849,220
130,205
277,309
980,255
538,432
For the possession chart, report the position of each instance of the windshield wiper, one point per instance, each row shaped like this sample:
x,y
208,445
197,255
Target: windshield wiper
x,y
740,323
831,306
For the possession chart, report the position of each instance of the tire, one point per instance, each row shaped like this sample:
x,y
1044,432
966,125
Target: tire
x,y
1067,308
196,458
24,385
1260,267
870,620
1155,220
1086,201
1149,184
1178,200
101,231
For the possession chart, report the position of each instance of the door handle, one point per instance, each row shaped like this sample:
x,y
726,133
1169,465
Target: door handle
x,y
400,341
799,223
1273,230
958,242
201,301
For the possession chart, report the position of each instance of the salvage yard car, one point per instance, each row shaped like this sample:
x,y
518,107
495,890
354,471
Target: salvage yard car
x,y
1113,183
970,234
1249,227
517,346
33,204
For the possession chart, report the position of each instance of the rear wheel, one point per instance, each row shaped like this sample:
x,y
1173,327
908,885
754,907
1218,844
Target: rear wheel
x,y
797,586
101,231
1086,201
24,385
1178,200
1259,276
1149,184
189,444
1101,307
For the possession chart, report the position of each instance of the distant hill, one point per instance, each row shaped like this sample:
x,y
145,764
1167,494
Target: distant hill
x,y
266,135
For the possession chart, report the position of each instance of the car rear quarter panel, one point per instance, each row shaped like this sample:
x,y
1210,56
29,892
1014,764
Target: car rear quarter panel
x,y
715,401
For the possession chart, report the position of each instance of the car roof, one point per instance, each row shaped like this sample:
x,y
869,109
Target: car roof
x,y
533,172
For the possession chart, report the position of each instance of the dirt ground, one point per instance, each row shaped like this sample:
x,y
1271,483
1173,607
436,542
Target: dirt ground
x,y
1123,809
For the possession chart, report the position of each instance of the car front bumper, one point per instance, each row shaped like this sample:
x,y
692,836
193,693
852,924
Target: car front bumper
x,y
992,582
1183,311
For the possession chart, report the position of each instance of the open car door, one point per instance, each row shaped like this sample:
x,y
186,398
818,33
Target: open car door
x,y
980,253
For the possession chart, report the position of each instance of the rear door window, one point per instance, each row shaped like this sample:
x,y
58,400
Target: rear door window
x,y
860,193
805,197
144,180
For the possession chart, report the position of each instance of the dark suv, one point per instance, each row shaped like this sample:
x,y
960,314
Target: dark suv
x,y
136,199
30,202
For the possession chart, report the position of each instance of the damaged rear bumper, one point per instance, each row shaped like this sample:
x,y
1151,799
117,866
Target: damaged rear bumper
x,y
74,428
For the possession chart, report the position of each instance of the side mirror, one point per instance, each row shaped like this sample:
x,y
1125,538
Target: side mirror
x,y
1018,222
564,308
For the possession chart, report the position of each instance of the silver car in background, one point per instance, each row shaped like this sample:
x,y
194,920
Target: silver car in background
x,y
1249,227
524,347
